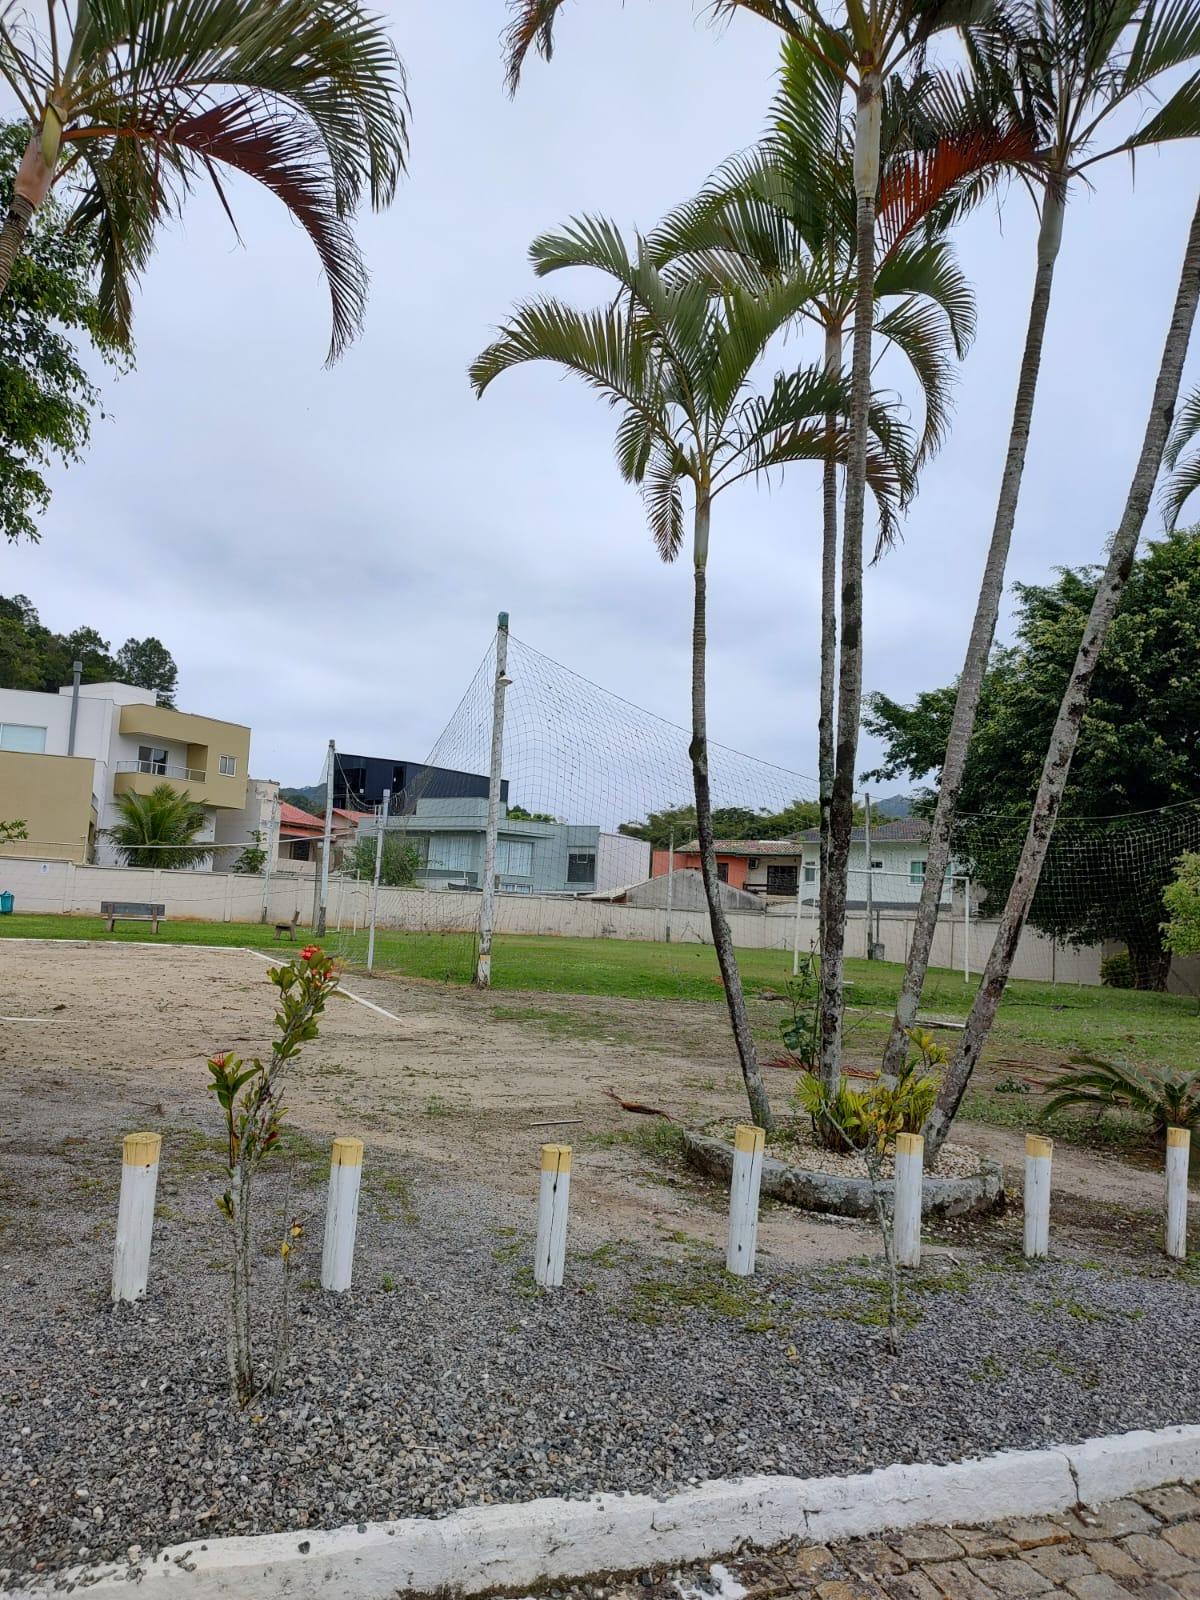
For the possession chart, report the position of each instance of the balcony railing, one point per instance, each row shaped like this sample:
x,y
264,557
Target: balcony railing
x,y
161,769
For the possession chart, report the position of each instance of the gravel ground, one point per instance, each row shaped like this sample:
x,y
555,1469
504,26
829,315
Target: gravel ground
x,y
445,1379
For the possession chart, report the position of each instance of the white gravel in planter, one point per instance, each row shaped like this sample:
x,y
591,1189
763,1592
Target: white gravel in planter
x,y
459,1385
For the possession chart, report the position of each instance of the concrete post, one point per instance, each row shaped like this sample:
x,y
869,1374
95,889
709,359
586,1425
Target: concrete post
x,y
743,1199
910,1164
341,1215
135,1215
553,1197
1038,1155
1179,1141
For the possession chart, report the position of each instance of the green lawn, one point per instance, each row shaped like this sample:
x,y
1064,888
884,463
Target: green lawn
x,y
1033,1017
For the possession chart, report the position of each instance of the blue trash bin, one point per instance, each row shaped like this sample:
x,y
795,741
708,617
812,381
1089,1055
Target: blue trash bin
x,y
6,904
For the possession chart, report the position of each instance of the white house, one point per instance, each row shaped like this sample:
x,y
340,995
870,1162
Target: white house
x,y
66,758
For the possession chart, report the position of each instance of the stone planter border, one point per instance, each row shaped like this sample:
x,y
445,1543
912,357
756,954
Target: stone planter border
x,y
849,1197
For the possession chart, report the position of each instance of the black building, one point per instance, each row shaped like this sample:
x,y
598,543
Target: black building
x,y
359,782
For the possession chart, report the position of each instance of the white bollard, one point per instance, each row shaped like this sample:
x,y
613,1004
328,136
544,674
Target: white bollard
x,y
1179,1143
551,1248
135,1214
910,1170
743,1199
1039,1154
341,1215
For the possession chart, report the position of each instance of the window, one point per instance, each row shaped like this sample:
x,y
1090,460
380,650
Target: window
x,y
152,759
877,866
781,880
581,866
22,736
723,871
451,852
229,766
810,873
916,872
514,857
752,864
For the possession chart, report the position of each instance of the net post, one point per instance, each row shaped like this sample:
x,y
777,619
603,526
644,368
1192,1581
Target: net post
x,y
487,903
910,1164
381,825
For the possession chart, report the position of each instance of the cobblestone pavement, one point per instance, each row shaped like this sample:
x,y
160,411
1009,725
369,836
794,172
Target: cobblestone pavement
x,y
1146,1546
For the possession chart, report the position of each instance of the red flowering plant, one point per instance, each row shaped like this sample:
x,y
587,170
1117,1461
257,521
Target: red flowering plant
x,y
248,1094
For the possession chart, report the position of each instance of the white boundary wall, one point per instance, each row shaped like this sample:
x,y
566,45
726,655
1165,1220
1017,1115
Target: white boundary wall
x,y
61,886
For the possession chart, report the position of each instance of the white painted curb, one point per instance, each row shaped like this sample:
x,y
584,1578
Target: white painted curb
x,y
487,1548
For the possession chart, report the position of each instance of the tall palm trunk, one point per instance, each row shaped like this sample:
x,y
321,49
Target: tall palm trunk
x,y
849,688
735,999
983,629
829,534
29,190
1057,766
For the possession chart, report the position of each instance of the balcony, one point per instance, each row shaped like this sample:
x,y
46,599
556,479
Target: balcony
x,y
142,777
161,769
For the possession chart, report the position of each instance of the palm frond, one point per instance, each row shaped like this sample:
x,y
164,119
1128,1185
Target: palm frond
x,y
919,331
601,347
1183,471
530,27
663,498
584,242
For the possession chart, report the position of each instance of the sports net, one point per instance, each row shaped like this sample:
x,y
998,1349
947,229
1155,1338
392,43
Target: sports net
x,y
612,779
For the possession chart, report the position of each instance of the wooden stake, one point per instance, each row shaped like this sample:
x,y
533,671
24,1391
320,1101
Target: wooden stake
x,y
135,1214
1039,1153
341,1215
743,1199
910,1170
1179,1141
551,1249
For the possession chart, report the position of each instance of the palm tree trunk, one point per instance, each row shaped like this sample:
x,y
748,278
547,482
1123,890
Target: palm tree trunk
x,y
735,999
829,534
12,236
29,190
1057,766
983,629
849,688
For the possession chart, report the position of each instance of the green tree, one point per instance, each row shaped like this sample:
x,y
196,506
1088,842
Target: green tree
x,y
519,814
398,868
159,829
1087,78
149,664
135,102
1181,931
1138,752
677,360
32,656
47,399
251,860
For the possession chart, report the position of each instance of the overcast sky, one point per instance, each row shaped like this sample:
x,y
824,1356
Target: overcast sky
x,y
325,552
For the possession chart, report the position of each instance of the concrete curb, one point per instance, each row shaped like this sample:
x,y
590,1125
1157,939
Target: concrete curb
x,y
488,1548
849,1197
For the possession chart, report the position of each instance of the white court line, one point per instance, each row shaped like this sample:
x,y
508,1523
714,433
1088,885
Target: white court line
x,y
370,1004
26,1019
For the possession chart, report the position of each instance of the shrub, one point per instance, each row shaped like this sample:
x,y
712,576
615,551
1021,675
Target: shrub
x,y
1116,971
1181,931
1165,1099
861,1119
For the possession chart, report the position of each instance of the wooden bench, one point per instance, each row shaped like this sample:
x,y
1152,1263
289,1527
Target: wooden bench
x,y
288,928
132,911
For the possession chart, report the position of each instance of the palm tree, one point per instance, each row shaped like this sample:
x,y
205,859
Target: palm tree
x,y
786,209
1068,69
1057,765
135,101
678,361
159,829
873,44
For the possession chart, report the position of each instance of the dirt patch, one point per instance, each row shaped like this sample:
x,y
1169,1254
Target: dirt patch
x,y
470,1081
